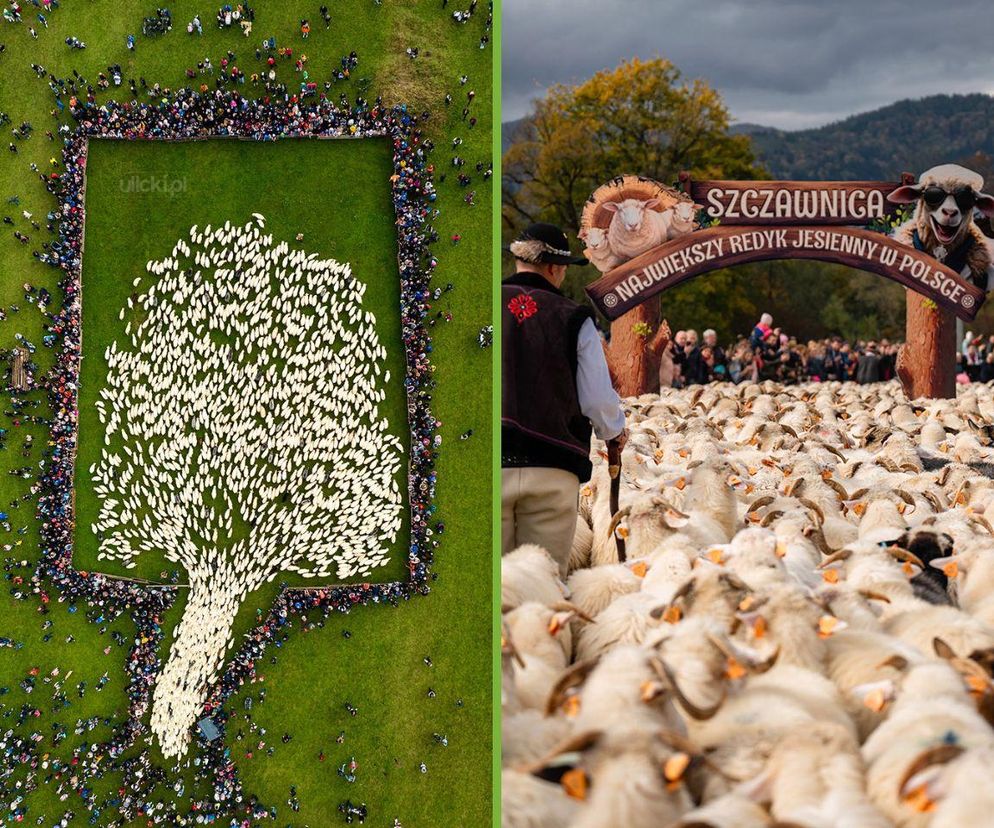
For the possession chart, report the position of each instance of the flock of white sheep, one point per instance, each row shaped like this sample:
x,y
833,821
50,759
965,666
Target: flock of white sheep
x,y
243,439
802,633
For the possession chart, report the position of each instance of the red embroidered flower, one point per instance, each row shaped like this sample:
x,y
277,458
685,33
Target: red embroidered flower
x,y
522,306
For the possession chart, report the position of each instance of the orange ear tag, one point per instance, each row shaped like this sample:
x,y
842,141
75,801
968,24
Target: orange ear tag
x,y
572,705
759,627
875,700
639,569
826,626
977,684
672,615
908,569
919,800
622,531
746,602
681,484
734,670
831,576
951,569
675,767
574,783
714,555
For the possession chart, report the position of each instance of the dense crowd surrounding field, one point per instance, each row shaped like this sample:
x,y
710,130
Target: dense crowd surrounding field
x,y
405,693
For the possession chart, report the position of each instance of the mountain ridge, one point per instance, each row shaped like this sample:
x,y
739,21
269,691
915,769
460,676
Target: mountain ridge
x,y
907,135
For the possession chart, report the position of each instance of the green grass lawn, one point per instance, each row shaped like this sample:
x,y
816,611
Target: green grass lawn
x,y
340,202
322,189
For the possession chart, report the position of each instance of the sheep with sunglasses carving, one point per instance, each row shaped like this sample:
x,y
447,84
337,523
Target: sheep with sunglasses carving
x,y
945,198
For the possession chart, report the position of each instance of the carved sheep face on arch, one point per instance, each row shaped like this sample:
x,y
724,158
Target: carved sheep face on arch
x,y
631,211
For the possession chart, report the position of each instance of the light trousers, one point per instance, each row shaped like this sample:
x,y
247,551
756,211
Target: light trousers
x,y
538,505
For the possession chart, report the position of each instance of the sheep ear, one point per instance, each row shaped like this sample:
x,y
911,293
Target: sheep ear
x,y
610,206
949,566
651,203
908,194
985,203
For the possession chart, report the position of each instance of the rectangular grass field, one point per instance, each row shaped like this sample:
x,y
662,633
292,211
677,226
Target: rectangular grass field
x,y
141,197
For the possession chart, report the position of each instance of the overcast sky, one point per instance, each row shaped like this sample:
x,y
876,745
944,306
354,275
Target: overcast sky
x,y
784,63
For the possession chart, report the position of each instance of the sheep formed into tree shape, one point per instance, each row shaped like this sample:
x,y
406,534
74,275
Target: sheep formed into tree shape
x,y
243,439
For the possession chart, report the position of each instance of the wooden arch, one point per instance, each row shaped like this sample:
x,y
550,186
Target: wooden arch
x,y
763,220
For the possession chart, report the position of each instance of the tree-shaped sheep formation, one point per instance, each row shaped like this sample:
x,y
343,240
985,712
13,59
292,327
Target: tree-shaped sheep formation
x,y
243,439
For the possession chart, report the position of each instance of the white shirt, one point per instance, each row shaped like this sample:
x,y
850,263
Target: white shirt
x,y
599,402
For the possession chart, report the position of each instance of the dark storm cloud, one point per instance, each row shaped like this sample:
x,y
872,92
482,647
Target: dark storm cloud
x,y
786,64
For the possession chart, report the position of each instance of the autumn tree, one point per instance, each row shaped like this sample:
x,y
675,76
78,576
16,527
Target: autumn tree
x,y
641,117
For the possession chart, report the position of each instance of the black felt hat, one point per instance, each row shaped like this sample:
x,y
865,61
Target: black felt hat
x,y
542,243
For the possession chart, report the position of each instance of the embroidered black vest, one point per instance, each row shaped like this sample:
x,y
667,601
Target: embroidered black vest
x,y
542,424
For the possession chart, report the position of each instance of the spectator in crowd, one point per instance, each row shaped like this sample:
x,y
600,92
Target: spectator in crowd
x,y
761,331
868,365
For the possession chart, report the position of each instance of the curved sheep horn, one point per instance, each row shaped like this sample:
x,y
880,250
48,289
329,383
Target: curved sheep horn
x,y
870,595
838,487
982,521
695,712
833,450
841,555
566,606
728,649
895,660
617,518
859,493
760,502
572,677
932,498
814,507
903,555
940,755
760,667
795,487
818,536
769,517
907,498
571,744
693,464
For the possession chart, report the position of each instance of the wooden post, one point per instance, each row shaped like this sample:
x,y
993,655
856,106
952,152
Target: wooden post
x,y
634,366
926,363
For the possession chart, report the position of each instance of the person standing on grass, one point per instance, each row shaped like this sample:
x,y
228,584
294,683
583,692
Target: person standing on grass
x,y
556,390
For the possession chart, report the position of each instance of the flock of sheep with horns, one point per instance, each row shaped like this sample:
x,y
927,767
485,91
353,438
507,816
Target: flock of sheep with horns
x,y
800,633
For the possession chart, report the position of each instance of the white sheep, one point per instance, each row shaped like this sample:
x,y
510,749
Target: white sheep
x,y
635,227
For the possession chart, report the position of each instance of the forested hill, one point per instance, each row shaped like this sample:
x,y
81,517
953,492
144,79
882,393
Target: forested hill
x,y
909,135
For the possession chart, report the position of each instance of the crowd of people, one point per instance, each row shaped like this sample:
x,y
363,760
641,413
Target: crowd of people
x,y
190,115
181,115
769,353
